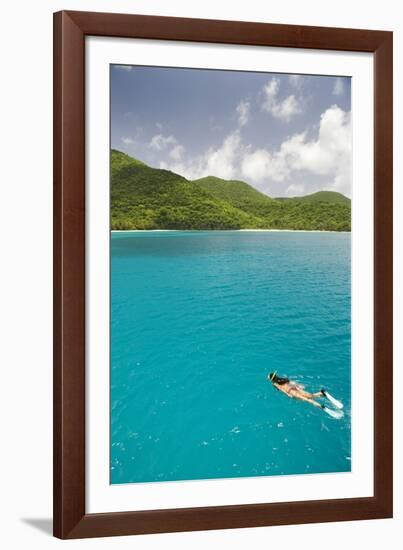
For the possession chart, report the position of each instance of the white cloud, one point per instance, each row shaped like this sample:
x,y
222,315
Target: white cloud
x,y
190,169
261,165
272,87
177,152
295,190
243,112
287,108
329,152
338,88
127,140
329,155
283,109
325,159
221,161
160,141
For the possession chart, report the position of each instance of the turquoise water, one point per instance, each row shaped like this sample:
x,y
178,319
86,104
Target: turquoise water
x,y
198,319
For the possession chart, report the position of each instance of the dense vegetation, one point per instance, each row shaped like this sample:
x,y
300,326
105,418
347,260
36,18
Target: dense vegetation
x,y
149,198
320,196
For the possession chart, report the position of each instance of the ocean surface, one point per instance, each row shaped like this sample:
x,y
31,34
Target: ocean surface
x,y
198,320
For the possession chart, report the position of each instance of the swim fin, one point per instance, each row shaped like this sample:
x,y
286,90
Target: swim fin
x,y
334,414
333,400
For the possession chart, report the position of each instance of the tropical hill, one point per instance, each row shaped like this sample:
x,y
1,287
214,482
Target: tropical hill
x,y
320,196
143,197
239,194
149,198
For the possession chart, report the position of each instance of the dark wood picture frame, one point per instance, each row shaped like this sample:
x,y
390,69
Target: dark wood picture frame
x,y
70,517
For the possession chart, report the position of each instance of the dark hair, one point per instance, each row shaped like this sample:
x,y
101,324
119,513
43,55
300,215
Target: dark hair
x,y
278,379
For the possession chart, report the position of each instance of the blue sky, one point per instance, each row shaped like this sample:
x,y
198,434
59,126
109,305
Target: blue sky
x,y
284,134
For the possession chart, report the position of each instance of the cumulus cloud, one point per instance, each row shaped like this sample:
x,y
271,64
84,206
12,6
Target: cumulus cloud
x,y
243,112
330,151
221,161
261,165
338,88
177,152
283,109
295,190
189,170
284,170
160,141
327,155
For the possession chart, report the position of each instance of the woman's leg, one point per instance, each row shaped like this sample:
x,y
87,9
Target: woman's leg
x,y
310,395
311,401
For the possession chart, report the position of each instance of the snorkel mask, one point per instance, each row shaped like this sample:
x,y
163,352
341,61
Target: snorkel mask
x,y
272,376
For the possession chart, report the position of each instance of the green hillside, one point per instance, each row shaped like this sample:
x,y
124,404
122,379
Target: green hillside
x,y
149,198
320,196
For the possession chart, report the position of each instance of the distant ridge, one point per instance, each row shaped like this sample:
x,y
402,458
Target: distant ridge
x,y
320,196
143,197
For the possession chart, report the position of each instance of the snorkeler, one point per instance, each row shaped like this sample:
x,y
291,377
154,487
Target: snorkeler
x,y
297,391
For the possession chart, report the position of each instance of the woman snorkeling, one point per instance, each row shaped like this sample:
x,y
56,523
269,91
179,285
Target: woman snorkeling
x,y
297,391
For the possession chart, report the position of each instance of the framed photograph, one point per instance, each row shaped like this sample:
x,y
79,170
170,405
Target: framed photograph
x,y
223,274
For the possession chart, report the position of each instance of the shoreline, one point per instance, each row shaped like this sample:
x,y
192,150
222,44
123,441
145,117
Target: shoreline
x,y
226,230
